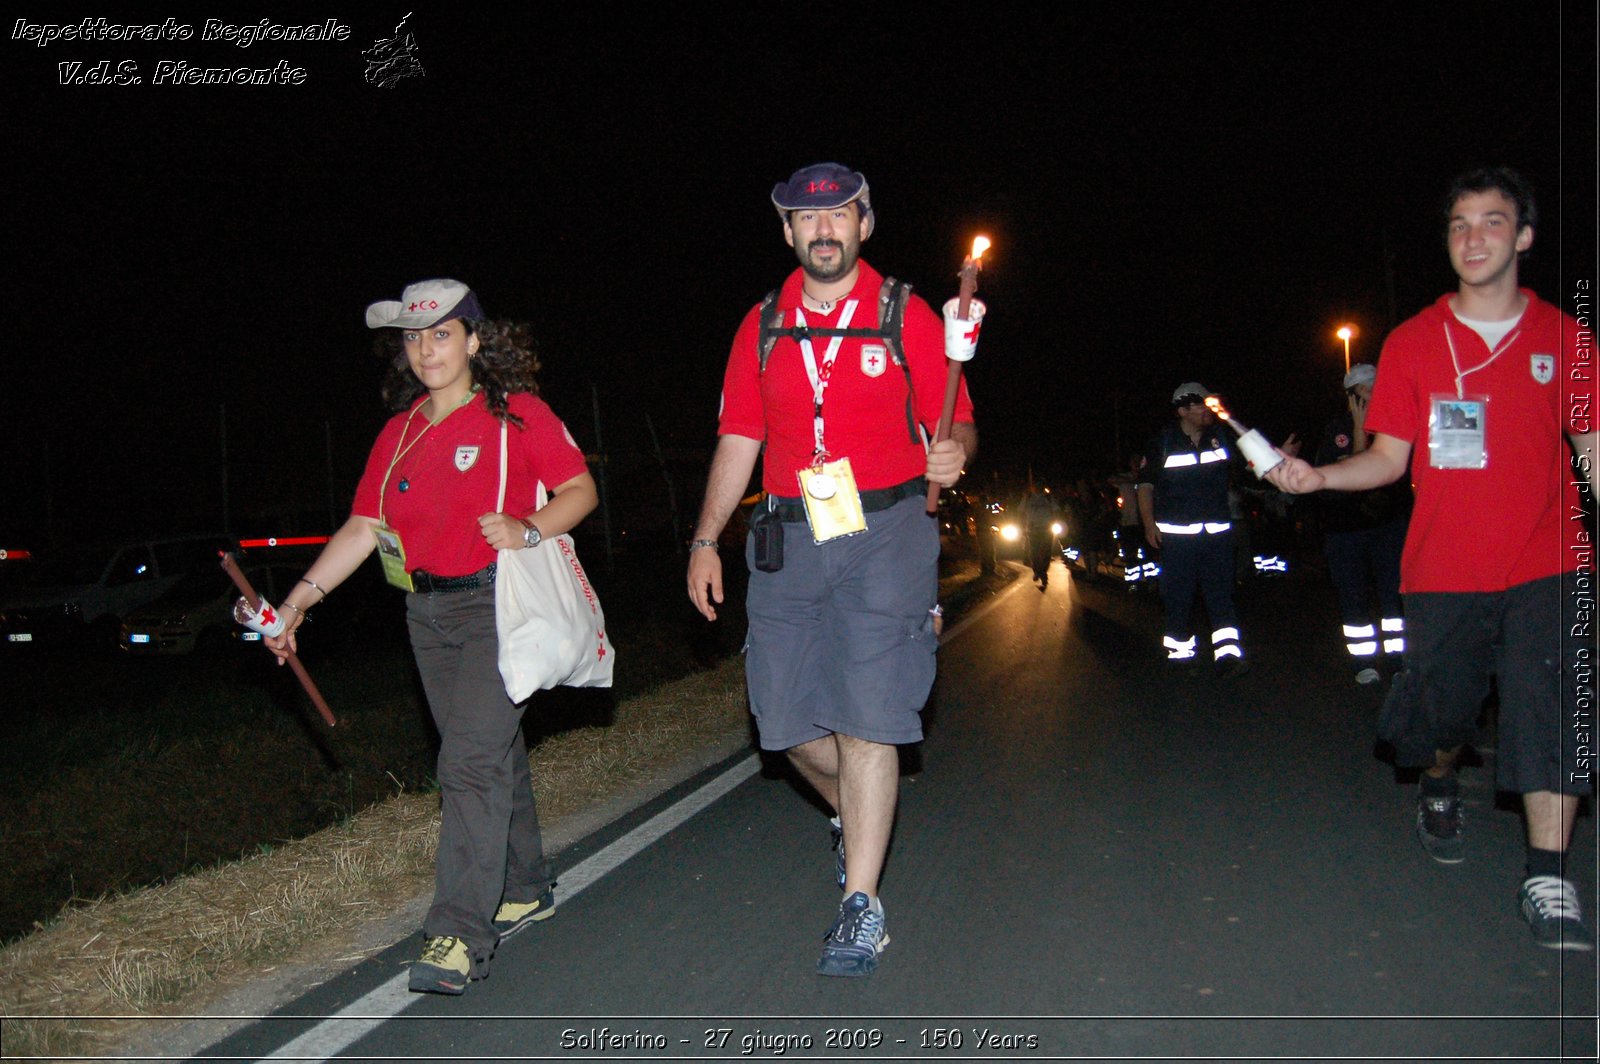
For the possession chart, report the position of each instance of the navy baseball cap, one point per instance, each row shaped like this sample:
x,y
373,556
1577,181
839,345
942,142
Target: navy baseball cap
x,y
425,304
823,186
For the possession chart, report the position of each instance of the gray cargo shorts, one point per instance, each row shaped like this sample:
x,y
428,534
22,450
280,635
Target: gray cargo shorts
x,y
841,639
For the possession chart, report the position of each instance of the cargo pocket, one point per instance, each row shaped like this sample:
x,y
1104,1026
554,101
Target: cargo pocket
x,y
915,665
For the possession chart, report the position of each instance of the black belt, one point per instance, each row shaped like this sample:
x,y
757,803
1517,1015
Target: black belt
x,y
791,508
429,584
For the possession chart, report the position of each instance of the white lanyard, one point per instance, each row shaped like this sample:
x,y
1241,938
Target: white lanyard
x,y
819,375
1455,362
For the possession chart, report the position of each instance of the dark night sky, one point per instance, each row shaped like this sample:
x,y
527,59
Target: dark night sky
x,y
1170,198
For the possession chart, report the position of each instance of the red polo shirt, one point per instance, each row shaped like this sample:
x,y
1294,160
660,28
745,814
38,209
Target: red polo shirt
x,y
865,402
1512,521
451,475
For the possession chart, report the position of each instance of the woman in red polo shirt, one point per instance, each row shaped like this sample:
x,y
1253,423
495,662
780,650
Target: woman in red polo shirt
x,y
427,503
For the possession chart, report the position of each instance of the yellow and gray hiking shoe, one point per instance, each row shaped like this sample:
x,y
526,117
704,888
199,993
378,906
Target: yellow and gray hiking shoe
x,y
513,916
443,968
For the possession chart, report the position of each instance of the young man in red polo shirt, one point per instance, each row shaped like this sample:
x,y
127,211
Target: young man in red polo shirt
x,y
1476,393
840,657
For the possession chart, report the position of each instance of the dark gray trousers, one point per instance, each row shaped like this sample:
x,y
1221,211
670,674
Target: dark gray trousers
x,y
489,844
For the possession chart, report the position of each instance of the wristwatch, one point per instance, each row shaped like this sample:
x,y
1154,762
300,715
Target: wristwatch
x,y
530,534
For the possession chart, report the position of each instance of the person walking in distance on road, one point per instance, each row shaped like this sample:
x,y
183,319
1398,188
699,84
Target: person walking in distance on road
x,y
844,556
1472,393
1041,517
1183,504
427,503
1363,534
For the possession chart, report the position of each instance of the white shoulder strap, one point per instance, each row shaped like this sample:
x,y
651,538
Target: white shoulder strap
x,y
541,497
500,499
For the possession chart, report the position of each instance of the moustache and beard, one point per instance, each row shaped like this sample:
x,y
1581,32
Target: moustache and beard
x,y
842,263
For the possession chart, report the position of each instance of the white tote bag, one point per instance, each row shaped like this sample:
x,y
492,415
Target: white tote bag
x,y
552,630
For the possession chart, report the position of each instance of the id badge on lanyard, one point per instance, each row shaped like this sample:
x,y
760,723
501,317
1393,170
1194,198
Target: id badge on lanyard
x,y
833,504
1457,431
392,553
827,488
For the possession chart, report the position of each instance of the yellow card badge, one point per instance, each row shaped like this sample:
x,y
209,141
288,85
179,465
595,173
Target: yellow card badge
x,y
833,504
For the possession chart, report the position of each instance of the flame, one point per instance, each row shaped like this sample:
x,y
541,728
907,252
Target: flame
x,y
1217,408
979,246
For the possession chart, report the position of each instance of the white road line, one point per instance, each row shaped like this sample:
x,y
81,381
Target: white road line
x,y
337,1032
962,625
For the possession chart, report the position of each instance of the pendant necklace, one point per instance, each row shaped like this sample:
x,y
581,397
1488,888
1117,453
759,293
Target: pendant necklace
x,y
821,306
405,482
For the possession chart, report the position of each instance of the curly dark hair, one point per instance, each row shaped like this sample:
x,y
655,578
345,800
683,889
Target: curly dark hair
x,y
507,362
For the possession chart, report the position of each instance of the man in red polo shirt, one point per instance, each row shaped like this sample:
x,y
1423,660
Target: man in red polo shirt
x,y
1476,393
844,557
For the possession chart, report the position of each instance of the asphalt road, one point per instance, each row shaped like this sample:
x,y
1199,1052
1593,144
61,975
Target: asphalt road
x,y
1095,858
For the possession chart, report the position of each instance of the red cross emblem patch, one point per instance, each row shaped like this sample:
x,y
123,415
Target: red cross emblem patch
x,y
874,359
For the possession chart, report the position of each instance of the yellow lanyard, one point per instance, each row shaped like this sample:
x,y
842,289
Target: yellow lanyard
x,y
401,450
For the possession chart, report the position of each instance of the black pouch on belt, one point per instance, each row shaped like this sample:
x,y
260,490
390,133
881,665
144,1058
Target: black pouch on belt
x,y
767,529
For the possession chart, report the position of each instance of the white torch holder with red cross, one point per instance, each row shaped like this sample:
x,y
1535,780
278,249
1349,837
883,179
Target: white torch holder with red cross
x,y
961,334
268,621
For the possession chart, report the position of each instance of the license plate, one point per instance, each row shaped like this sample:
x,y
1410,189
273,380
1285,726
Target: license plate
x,y
20,637
138,637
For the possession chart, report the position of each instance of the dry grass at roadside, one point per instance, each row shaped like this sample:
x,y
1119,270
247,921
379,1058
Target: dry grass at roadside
x,y
171,949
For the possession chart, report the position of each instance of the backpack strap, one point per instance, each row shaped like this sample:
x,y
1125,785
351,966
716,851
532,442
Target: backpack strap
x,y
892,299
771,326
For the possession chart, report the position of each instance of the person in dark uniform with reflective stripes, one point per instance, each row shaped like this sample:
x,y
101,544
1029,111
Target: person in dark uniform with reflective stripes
x,y
1365,532
1183,504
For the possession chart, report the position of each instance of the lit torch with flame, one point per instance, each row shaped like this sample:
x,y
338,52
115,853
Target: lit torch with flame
x,y
1257,451
963,318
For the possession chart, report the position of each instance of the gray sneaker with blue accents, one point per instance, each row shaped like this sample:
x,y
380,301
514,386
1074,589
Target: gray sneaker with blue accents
x,y
855,940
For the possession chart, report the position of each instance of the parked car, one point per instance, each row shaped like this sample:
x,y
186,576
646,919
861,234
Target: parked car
x,y
196,613
79,595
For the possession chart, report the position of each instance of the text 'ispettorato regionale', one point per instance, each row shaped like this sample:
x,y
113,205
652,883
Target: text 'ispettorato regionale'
x,y
172,71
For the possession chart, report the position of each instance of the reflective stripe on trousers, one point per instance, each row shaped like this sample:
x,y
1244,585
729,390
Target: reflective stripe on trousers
x,y
1394,640
1361,640
1211,527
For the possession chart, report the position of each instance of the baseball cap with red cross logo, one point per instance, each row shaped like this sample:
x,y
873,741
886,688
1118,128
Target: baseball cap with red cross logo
x,y
823,186
425,303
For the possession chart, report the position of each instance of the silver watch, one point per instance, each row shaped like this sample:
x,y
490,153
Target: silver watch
x,y
530,534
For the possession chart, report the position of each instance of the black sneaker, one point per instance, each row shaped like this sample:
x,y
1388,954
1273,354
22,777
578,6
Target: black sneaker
x,y
1439,828
513,916
1550,905
1230,667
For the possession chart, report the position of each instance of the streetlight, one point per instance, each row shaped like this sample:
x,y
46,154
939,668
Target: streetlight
x,y
1344,333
